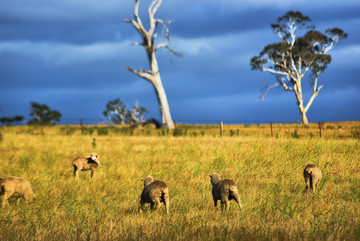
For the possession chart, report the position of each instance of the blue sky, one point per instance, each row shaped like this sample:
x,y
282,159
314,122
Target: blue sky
x,y
72,55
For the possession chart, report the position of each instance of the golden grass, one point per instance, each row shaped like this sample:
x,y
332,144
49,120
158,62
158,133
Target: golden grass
x,y
268,172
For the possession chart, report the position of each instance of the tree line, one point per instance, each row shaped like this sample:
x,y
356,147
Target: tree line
x,y
302,53
115,110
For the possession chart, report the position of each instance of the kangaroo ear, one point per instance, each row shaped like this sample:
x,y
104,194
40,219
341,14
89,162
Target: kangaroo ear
x,y
142,179
210,175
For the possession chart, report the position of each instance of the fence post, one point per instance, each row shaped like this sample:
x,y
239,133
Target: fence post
x,y
320,128
81,126
221,128
271,128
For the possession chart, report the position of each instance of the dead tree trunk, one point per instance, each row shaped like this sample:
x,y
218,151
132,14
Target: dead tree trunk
x,y
153,75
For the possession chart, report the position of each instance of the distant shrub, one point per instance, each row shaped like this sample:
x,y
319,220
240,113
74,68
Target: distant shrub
x,y
194,134
355,134
295,134
306,127
68,130
1,136
102,131
88,131
93,143
330,127
177,132
163,132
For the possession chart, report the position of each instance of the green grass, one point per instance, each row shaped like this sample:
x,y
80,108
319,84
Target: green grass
x,y
267,171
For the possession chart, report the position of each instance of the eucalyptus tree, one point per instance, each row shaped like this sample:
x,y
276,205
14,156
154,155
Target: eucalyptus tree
x,y
43,115
115,110
10,120
301,54
136,115
151,46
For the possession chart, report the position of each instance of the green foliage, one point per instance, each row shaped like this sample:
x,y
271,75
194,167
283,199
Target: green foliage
x,y
296,53
68,130
116,110
88,131
295,134
43,114
102,131
355,134
93,143
10,120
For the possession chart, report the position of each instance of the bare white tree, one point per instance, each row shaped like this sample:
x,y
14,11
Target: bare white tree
x,y
149,36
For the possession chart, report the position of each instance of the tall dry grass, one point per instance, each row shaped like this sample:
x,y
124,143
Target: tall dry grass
x,y
268,172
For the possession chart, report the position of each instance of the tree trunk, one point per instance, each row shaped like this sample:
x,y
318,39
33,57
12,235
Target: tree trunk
x,y
166,119
300,103
303,117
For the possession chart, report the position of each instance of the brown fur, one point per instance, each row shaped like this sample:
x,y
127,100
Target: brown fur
x,y
155,192
15,187
224,190
86,164
312,176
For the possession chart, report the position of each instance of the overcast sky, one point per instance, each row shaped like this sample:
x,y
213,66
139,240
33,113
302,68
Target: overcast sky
x,y
72,55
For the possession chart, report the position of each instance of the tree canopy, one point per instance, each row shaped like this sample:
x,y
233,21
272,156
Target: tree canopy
x,y
302,52
116,111
43,115
11,120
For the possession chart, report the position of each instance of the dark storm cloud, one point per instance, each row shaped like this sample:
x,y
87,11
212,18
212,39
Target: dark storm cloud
x,y
72,56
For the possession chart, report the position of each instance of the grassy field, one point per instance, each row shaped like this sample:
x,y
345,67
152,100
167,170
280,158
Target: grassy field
x,y
267,171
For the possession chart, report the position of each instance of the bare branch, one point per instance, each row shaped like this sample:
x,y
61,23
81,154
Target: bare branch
x,y
164,44
154,6
138,44
268,87
274,71
137,23
312,98
144,74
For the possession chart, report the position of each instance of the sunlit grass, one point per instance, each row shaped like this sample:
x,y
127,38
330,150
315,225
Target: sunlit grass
x,y
268,172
